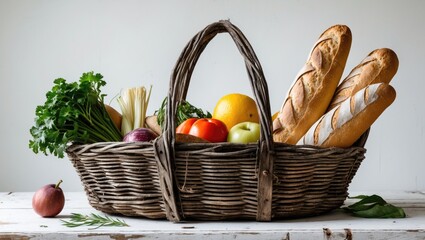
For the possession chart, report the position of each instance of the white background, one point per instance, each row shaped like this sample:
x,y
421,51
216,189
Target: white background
x,y
135,43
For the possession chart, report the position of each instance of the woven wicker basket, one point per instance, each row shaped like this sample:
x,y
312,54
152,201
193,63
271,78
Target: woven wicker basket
x,y
215,181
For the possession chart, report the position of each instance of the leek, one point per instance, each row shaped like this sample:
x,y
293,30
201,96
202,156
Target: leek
x,y
134,104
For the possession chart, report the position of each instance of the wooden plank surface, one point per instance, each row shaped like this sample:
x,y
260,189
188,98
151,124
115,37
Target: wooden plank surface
x,y
19,221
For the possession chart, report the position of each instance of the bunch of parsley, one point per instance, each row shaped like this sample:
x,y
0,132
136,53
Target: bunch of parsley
x,y
73,113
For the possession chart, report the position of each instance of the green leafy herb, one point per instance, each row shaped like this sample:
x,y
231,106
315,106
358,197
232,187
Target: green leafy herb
x,y
185,110
374,206
96,220
73,112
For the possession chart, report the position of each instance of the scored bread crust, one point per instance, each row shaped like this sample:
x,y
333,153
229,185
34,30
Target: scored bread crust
x,y
314,86
344,124
379,66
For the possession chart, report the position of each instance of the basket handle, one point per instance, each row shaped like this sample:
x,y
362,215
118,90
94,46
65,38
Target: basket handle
x,y
179,83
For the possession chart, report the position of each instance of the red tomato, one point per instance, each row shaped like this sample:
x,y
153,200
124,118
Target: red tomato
x,y
210,129
185,126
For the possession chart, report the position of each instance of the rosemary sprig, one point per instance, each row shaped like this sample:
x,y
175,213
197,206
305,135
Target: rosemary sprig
x,y
93,219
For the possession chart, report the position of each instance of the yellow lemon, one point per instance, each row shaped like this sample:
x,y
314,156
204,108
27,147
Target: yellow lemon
x,y
235,108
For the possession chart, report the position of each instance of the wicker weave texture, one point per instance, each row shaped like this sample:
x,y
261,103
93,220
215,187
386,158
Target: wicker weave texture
x,y
215,182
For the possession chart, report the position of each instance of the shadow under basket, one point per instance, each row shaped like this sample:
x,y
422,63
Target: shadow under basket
x,y
260,181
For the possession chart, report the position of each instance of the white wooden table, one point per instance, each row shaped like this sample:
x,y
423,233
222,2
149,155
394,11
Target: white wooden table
x,y
19,221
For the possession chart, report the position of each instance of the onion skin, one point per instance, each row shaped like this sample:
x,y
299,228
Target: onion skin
x,y
140,135
49,200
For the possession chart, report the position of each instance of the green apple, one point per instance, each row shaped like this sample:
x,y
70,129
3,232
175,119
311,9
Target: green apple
x,y
244,132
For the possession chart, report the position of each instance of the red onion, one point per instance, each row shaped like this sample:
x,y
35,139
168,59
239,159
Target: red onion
x,y
140,135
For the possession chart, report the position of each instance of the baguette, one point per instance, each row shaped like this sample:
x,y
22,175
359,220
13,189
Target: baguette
x,y
379,66
314,86
344,124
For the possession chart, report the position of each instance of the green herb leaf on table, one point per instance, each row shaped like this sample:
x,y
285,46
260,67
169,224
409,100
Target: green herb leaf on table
x,y
185,110
96,220
374,206
73,112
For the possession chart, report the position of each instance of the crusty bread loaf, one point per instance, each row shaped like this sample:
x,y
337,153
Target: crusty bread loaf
x,y
186,138
344,124
152,123
314,86
379,66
